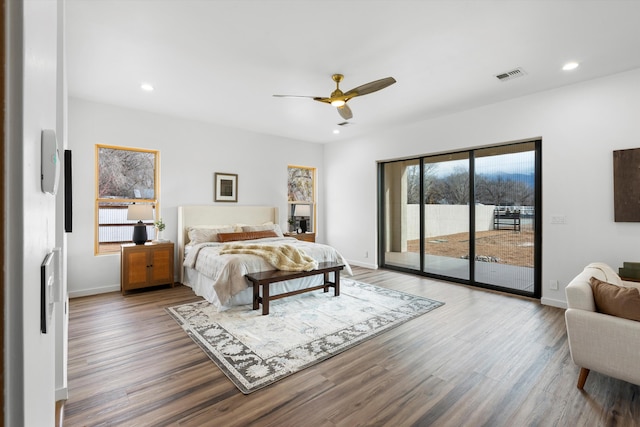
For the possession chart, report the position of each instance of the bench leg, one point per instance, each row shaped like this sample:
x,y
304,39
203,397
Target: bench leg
x,y
265,299
256,296
335,283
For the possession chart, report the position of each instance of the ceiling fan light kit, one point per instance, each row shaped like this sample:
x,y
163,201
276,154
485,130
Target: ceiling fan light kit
x,y
339,99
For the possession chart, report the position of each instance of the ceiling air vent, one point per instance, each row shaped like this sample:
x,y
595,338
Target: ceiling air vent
x,y
510,75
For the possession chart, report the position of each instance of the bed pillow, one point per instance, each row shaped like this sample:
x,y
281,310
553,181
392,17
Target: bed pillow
x,y
239,226
246,235
264,227
206,234
616,300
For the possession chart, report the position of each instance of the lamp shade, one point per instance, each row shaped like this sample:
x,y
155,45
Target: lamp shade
x,y
139,212
302,210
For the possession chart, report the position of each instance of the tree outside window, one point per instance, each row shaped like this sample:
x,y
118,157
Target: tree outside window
x,y
124,176
301,191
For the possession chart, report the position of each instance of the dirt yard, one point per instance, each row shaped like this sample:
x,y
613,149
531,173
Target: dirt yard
x,y
503,246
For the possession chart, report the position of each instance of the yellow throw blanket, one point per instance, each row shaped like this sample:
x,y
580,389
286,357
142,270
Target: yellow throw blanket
x,y
282,257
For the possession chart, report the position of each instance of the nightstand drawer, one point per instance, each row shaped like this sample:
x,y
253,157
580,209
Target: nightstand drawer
x,y
307,237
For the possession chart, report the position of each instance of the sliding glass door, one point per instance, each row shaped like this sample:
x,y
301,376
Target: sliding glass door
x,y
428,225
401,208
505,235
446,215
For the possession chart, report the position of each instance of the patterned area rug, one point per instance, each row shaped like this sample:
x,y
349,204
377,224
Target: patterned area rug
x,y
255,350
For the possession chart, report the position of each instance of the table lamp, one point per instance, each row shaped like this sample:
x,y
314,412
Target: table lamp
x,y
303,211
140,213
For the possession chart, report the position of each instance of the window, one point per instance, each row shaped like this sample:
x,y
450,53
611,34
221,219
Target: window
x,y
124,176
301,199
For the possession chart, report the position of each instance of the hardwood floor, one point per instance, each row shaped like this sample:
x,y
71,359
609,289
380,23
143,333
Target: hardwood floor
x,y
483,359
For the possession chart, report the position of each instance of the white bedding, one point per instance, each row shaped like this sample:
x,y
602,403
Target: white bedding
x,y
222,276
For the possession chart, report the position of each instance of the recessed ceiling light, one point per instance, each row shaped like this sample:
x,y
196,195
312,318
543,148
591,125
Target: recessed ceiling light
x,y
570,66
336,131
146,87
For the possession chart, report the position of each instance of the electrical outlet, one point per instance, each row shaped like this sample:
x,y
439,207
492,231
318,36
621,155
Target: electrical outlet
x,y
553,285
558,219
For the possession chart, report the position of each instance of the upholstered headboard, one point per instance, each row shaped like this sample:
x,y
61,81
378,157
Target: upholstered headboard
x,y
189,216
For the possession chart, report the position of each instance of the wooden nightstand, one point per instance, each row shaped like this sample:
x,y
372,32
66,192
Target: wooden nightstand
x,y
307,237
143,266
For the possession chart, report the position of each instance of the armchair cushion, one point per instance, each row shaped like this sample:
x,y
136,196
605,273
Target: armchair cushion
x,y
616,300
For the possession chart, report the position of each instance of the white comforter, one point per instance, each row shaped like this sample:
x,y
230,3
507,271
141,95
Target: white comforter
x,y
228,271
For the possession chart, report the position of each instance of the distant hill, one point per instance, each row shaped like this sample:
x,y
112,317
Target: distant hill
x,y
527,178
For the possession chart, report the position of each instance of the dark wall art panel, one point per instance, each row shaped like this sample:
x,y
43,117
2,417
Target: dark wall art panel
x,y
626,185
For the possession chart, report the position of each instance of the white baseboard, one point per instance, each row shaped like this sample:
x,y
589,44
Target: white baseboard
x,y
553,302
94,291
62,394
363,265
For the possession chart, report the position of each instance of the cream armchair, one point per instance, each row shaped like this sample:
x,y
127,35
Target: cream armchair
x,y
600,342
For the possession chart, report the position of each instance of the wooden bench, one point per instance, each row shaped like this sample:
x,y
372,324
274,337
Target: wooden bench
x,y
266,278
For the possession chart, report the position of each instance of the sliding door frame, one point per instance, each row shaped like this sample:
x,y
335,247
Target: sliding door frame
x,y
537,222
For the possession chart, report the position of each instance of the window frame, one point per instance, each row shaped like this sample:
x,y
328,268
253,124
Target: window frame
x,y
155,202
291,204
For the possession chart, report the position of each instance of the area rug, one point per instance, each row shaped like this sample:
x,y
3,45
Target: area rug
x,y
255,351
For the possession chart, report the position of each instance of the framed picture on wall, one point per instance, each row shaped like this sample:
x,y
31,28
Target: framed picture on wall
x,y
226,187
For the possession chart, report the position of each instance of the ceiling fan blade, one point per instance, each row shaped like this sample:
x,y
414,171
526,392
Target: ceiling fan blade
x,y
370,87
321,99
345,112
295,96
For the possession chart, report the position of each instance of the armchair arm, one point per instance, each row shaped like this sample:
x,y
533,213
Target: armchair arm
x,y
580,295
603,343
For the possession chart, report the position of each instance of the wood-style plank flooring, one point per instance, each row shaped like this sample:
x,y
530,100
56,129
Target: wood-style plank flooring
x,y
483,359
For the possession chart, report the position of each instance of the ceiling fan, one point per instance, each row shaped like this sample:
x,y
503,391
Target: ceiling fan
x,y
339,99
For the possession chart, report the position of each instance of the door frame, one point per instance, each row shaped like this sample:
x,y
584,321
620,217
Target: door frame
x,y
537,255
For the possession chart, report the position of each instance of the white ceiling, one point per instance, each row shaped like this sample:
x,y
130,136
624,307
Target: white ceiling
x,y
221,61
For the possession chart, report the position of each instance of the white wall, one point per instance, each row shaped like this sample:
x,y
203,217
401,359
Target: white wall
x,y
580,125
31,219
190,153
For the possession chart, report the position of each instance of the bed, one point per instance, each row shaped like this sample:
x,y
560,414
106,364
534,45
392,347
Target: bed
x,y
206,235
